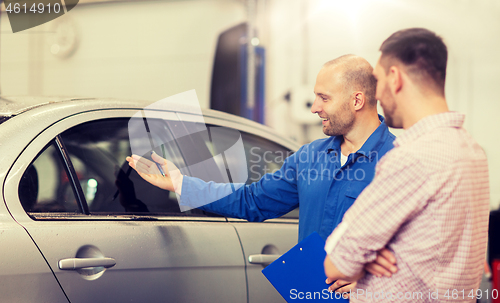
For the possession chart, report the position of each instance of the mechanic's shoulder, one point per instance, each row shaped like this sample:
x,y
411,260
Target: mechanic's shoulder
x,y
390,136
323,142
316,145
387,135
388,139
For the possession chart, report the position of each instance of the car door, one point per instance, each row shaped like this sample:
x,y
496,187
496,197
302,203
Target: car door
x,y
261,242
107,234
24,274
277,236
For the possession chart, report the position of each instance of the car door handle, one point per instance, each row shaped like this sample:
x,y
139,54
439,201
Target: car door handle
x,y
262,259
78,263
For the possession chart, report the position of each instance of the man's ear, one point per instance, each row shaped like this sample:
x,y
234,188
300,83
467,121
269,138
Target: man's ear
x,y
359,100
395,79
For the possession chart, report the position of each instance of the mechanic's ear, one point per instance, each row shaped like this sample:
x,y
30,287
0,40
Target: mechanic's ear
x,y
359,100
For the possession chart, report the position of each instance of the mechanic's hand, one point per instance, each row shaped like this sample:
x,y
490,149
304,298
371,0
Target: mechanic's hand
x,y
384,264
341,286
149,171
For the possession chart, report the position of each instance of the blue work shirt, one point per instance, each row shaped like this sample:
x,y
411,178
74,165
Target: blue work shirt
x,y
312,178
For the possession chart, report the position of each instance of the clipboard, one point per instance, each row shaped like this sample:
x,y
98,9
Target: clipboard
x,y
299,273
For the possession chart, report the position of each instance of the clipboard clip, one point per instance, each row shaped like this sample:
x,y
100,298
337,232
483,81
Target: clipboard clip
x,y
262,259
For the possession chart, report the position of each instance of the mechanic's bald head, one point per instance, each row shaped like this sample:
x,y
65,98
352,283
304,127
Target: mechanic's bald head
x,y
357,75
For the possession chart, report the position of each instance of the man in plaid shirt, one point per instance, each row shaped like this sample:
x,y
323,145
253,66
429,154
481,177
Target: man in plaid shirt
x,y
429,200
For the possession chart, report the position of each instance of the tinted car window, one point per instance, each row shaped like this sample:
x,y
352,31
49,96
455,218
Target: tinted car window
x,y
98,149
45,186
262,155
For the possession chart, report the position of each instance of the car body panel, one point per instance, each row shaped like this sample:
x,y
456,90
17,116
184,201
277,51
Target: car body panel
x,y
23,268
161,261
264,238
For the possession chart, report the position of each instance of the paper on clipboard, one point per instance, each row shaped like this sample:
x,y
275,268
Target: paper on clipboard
x,y
299,274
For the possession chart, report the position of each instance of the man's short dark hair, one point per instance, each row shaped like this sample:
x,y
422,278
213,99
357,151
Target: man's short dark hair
x,y
421,51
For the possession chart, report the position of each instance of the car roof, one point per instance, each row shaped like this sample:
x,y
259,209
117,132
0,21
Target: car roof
x,y
17,105
11,106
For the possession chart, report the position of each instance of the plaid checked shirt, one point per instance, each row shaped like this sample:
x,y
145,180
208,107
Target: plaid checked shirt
x,y
429,204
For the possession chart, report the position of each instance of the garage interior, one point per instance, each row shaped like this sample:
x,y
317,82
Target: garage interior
x,y
150,50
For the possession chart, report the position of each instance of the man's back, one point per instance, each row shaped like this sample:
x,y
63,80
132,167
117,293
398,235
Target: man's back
x,y
440,246
458,187
428,202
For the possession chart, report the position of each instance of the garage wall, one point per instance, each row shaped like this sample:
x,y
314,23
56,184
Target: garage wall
x,y
146,50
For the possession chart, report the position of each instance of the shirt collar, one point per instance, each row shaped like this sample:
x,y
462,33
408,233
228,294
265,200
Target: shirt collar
x,y
334,145
372,144
447,119
375,141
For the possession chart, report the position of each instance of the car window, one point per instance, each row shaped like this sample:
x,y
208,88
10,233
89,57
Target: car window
x,y
45,186
262,155
98,149
97,152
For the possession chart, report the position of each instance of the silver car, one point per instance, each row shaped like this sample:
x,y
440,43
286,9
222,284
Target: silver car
x,y
77,225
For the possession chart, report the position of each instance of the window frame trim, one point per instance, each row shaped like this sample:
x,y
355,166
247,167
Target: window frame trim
x,y
73,178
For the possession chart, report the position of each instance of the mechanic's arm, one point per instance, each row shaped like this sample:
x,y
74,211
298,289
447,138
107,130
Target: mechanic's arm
x,y
375,217
270,197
